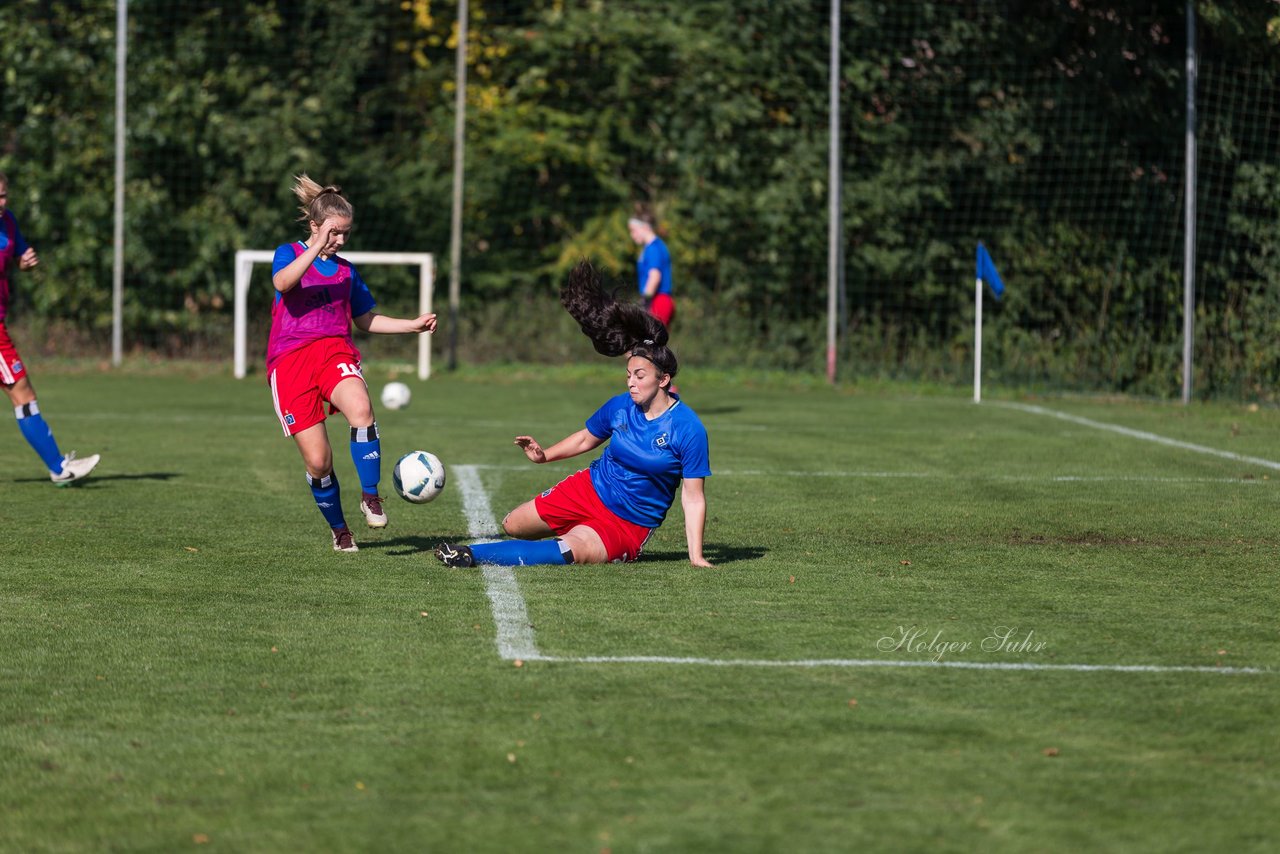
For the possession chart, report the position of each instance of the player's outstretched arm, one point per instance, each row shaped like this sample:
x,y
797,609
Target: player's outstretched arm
x,y
570,446
380,324
694,502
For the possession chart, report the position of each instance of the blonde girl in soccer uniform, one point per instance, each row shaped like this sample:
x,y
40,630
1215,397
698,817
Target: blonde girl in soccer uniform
x,y
313,361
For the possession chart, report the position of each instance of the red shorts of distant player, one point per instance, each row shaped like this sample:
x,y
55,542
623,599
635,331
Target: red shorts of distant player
x,y
663,307
302,381
573,502
11,367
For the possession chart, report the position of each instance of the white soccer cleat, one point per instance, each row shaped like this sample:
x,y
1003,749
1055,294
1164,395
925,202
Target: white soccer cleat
x,y
74,469
371,507
343,541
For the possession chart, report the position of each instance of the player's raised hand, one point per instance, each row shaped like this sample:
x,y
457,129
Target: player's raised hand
x,y
531,448
29,259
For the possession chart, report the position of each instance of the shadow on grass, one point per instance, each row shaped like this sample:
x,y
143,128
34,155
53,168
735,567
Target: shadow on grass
x,y
407,546
717,553
99,478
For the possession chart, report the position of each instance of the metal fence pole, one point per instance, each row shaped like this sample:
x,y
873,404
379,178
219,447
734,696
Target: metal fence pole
x,y
833,190
1189,226
459,136
117,249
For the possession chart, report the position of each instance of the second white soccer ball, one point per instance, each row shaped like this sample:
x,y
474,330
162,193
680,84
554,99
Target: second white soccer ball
x,y
395,395
418,477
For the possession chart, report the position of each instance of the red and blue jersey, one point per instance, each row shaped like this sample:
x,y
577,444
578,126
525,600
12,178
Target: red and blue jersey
x,y
12,246
321,305
655,257
637,475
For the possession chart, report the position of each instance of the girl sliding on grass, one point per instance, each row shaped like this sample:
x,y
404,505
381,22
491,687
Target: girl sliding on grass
x,y
605,513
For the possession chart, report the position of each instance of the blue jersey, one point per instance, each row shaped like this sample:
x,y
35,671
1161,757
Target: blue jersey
x,y
655,257
637,475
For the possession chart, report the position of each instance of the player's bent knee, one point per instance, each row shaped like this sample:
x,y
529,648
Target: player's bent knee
x,y
360,418
586,545
318,467
524,523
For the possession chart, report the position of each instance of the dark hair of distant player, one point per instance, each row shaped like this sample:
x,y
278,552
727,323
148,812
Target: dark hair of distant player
x,y
615,327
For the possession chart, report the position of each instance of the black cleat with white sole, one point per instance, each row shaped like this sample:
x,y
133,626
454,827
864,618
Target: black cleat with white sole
x,y
453,555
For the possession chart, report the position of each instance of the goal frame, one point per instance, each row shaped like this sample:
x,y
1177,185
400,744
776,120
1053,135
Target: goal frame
x,y
246,258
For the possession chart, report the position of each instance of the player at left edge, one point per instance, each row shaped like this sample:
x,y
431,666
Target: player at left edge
x,y
15,252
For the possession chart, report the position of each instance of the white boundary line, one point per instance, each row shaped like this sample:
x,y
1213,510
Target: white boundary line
x,y
1140,434
515,634
918,475
515,640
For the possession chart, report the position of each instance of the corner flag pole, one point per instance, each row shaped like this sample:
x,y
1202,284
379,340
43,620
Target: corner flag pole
x,y
977,340
985,271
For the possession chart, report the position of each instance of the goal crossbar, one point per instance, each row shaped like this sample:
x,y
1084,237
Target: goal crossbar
x,y
246,258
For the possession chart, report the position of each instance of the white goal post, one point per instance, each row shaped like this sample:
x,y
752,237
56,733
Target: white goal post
x,y
424,261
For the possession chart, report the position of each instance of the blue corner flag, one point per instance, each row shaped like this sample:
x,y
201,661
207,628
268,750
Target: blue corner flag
x,y
987,272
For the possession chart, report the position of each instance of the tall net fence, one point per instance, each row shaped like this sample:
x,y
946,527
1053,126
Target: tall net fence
x,y
1051,130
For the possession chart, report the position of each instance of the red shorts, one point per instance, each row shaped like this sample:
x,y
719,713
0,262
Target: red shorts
x,y
573,502
663,307
11,367
302,381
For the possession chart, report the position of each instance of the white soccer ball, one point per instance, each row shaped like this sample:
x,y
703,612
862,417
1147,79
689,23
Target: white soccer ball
x,y
395,395
418,477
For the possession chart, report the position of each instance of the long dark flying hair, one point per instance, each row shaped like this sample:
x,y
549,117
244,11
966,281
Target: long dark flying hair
x,y
615,327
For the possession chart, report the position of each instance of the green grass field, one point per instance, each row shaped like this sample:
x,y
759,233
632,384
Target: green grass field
x,y
187,664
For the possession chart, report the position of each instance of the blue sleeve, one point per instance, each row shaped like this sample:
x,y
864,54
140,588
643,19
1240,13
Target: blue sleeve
x,y
661,257
600,424
284,257
362,302
695,451
647,261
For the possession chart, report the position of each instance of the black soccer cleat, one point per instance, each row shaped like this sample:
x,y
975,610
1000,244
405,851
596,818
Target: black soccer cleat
x,y
451,555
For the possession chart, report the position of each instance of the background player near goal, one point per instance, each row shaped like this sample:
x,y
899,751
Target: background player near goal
x,y
312,360
653,266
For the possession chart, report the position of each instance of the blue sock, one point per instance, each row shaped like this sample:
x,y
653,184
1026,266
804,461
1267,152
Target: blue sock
x,y
522,552
366,453
325,490
38,435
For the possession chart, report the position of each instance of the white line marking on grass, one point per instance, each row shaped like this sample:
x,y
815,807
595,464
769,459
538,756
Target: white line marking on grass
x,y
1139,434
873,662
515,635
968,476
